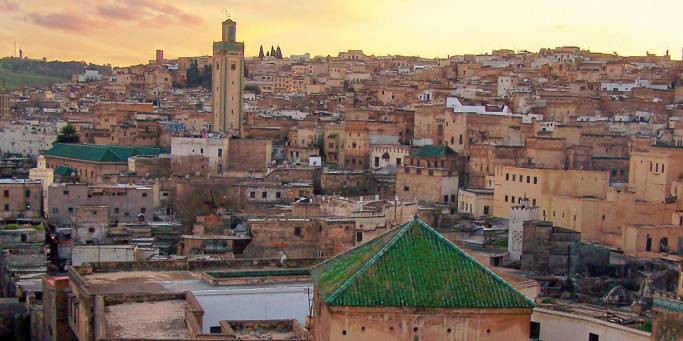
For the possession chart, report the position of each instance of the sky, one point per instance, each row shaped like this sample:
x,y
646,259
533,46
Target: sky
x,y
125,32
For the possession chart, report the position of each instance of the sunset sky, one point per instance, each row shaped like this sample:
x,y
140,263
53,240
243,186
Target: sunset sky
x,y
123,32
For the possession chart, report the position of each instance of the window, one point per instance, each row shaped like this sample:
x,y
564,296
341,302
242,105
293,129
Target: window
x,y
528,179
514,177
252,195
359,236
506,198
513,199
452,197
220,152
91,229
66,192
5,193
6,207
398,161
507,176
406,188
278,195
297,231
215,330
143,210
593,337
264,195
533,202
233,66
535,331
71,210
27,193
144,195
445,198
116,210
535,180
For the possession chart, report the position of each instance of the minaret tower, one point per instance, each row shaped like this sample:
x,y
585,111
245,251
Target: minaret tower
x,y
228,79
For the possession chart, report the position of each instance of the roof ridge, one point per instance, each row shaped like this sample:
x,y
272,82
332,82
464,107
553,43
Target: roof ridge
x,y
404,227
481,266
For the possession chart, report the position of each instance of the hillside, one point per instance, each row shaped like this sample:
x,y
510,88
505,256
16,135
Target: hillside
x,y
33,73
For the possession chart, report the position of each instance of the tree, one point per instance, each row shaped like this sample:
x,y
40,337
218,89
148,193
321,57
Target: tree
x,y
253,88
260,52
207,75
192,76
68,134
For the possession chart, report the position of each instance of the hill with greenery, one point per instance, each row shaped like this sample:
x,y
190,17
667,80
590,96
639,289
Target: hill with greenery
x,y
34,73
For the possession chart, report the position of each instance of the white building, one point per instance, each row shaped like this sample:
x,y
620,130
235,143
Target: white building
x,y
27,138
519,214
215,148
457,106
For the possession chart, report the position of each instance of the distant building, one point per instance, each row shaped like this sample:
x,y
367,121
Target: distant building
x,y
91,162
228,74
20,198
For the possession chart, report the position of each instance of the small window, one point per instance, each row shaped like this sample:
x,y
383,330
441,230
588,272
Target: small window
x,y
91,229
593,337
215,330
252,195
506,198
535,331
5,193
6,207
264,195
27,193
278,195
233,66
144,195
71,210
507,176
406,188
297,231
359,236
143,210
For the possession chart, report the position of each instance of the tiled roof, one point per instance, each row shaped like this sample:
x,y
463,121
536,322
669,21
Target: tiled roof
x,y
100,153
63,171
413,266
433,151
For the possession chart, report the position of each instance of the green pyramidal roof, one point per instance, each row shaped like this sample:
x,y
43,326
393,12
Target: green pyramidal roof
x,y
100,153
413,266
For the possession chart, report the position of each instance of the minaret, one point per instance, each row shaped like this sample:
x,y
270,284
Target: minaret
x,y
227,79
519,214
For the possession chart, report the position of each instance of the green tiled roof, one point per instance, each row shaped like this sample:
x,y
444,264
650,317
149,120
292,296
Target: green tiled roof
x,y
100,153
63,171
413,266
433,151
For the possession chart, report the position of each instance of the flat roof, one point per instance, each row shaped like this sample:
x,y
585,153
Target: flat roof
x,y
162,320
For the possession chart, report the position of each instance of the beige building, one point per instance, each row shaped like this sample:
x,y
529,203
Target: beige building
x,y
651,174
5,109
228,75
20,198
431,174
513,184
475,201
